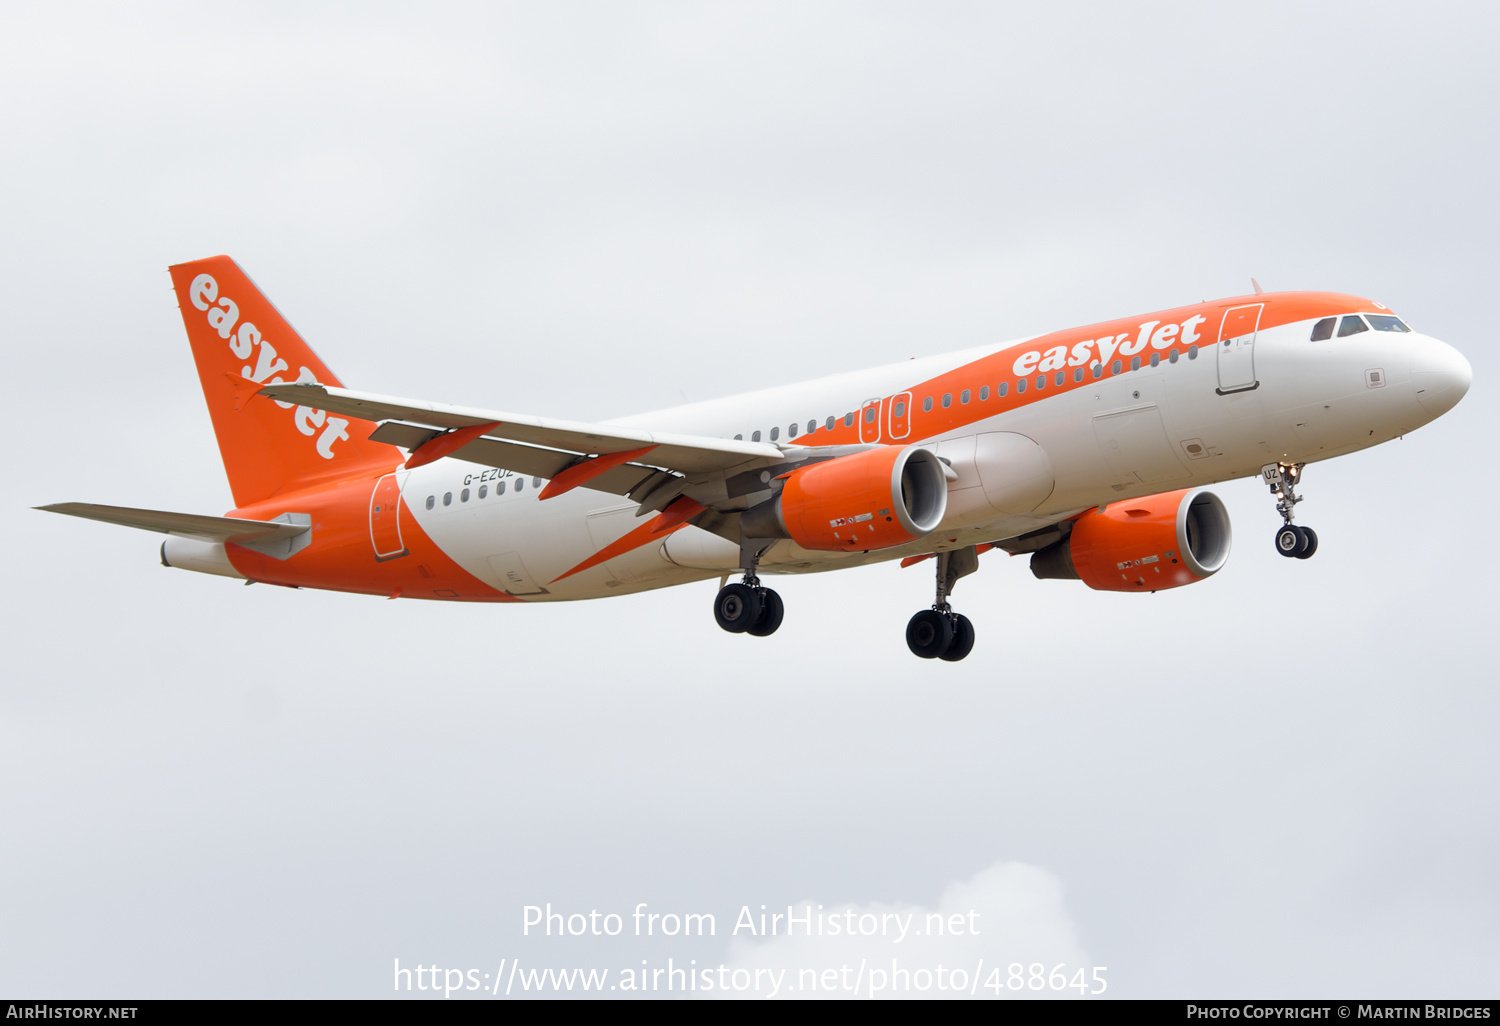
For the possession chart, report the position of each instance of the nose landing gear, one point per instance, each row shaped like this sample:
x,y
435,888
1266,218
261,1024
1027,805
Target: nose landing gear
x,y
939,632
1291,540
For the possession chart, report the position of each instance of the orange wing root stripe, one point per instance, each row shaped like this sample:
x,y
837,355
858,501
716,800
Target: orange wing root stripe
x,y
446,444
583,473
642,535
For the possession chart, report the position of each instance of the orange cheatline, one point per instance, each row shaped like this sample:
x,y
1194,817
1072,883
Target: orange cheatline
x,y
582,473
446,444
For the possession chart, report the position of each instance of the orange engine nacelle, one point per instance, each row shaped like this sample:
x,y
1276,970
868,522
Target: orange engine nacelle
x,y
1147,544
868,500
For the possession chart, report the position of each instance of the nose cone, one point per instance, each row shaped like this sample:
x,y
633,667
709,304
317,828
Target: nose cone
x,y
1440,375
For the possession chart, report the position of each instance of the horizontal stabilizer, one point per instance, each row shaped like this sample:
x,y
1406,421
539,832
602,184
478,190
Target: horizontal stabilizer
x,y
686,454
185,525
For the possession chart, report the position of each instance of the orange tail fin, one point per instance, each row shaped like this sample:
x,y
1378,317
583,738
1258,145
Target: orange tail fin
x,y
240,342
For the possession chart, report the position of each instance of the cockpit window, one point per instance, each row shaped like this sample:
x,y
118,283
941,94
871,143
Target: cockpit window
x,y
1352,324
1385,322
1323,330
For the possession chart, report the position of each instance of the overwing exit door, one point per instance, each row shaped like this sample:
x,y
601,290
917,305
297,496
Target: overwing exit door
x,y
900,425
1237,348
869,421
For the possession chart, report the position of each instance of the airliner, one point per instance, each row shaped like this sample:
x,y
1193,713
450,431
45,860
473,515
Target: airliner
x,y
1088,449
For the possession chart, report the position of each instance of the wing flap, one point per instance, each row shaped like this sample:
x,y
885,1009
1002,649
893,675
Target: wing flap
x,y
185,525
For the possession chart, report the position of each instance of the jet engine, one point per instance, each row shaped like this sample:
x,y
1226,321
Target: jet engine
x,y
1147,544
868,500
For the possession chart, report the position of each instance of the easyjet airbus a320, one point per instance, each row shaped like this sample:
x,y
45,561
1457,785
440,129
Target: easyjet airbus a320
x,y
1087,448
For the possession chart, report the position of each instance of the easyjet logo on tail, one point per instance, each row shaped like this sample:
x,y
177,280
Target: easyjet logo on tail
x,y
244,339
1103,349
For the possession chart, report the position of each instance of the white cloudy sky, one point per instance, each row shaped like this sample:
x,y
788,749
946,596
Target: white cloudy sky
x,y
1281,782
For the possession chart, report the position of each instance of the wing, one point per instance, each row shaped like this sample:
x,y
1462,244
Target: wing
x,y
186,525
688,454
651,467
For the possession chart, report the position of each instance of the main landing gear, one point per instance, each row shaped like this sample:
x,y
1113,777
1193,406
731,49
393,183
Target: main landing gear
x,y
1291,540
748,607
939,632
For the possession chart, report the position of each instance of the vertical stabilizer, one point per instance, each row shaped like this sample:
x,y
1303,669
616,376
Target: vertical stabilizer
x,y
240,343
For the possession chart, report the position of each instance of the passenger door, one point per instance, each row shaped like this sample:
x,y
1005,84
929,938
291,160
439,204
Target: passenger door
x,y
385,517
1237,348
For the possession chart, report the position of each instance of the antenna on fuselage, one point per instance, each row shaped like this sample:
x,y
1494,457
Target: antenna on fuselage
x,y
1256,286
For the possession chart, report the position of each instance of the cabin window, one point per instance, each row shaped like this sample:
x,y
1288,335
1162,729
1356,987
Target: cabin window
x,y
463,496
984,392
1098,370
500,487
1020,386
1135,363
775,433
1041,382
791,430
755,436
431,501
927,405
848,420
831,422
447,498
1114,368
484,490
1060,378
870,412
1192,352
947,399
1001,389
963,397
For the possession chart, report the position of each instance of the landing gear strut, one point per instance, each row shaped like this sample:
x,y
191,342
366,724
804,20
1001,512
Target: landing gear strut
x,y
939,632
748,607
1291,540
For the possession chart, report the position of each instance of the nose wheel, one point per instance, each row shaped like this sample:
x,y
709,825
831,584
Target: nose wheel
x,y
939,632
1292,541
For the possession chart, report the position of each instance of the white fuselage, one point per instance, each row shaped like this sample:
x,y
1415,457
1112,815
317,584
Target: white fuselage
x,y
1120,436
